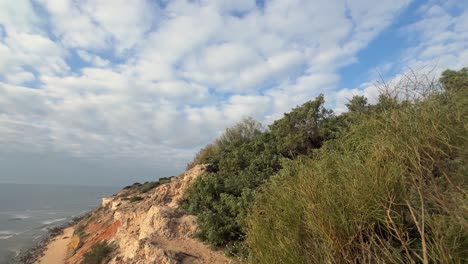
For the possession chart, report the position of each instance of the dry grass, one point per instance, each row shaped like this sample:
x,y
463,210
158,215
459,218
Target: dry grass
x,y
391,190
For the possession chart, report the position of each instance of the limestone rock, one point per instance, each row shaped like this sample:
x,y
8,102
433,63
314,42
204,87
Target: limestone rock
x,y
152,230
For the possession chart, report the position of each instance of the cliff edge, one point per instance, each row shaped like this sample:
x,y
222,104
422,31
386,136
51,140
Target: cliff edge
x,y
144,224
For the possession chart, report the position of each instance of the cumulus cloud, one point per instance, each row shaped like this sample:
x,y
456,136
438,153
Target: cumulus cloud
x,y
150,82
442,38
437,41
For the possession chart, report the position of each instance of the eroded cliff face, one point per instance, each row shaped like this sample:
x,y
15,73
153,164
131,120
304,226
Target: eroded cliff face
x,y
145,227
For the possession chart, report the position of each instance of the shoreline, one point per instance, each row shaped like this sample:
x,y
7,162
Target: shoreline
x,y
56,249
34,254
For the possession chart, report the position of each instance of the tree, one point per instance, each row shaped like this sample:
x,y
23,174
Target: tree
x,y
302,130
455,80
242,132
357,104
237,135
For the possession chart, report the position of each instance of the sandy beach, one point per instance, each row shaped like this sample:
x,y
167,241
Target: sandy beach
x,y
56,250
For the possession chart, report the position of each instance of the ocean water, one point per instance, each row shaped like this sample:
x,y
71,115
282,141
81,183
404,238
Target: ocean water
x,y
27,211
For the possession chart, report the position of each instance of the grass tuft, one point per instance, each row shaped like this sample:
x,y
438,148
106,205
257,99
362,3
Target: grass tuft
x,y
392,189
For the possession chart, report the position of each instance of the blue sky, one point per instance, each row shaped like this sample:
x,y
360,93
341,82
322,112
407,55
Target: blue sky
x,y
107,92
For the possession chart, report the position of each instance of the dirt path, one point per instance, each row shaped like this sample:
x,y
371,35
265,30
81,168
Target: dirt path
x,y
192,251
56,251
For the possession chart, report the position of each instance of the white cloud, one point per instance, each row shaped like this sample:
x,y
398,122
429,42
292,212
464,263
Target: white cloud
x,y
21,53
20,77
19,17
438,41
72,26
143,83
442,39
93,59
125,23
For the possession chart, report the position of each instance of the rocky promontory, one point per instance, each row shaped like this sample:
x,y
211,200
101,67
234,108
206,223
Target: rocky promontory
x,y
143,223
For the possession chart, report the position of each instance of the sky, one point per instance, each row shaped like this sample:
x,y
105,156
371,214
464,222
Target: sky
x,y
110,92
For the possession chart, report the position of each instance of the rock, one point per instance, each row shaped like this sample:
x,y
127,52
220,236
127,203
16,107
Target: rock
x,y
106,201
153,230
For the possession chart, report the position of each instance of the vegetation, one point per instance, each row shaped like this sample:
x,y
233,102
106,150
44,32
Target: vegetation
x,y
243,158
134,199
383,183
392,189
98,253
147,186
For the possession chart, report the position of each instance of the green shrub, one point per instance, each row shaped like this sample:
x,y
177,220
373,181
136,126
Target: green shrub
x,y
98,253
164,180
148,186
134,199
392,189
243,158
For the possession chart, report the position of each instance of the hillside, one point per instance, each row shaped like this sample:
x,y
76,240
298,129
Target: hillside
x,y
143,224
380,183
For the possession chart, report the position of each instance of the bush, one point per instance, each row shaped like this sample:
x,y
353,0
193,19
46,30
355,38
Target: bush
x,y
164,180
392,189
98,253
148,186
237,135
243,158
134,199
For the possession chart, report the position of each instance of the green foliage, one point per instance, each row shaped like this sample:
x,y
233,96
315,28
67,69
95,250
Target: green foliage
x,y
455,81
239,134
98,253
134,199
245,157
358,104
145,187
164,180
235,136
148,186
383,183
391,189
204,155
303,129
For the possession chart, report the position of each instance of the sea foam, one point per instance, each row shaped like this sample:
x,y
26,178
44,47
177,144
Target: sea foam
x,y
49,222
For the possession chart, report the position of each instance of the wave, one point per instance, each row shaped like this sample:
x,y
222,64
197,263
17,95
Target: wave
x,y
6,234
49,222
18,217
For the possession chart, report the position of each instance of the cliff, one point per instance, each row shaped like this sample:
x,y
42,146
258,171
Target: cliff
x,y
144,224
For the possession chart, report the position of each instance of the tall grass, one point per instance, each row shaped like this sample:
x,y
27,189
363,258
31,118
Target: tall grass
x,y
391,190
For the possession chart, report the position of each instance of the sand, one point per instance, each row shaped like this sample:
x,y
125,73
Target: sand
x,y
56,251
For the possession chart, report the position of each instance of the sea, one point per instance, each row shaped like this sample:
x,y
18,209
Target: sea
x,y
28,211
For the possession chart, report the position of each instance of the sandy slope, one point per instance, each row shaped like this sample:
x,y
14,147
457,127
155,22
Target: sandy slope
x,y
56,251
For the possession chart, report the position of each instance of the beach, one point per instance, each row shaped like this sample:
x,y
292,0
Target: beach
x,y
56,250
31,213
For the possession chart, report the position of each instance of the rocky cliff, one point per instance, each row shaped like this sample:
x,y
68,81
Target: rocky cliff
x,y
144,224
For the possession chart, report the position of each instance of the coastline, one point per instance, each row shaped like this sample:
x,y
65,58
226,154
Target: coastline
x,y
56,250
34,254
